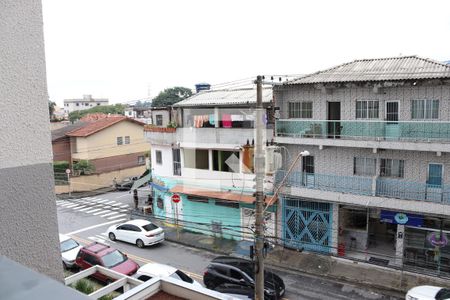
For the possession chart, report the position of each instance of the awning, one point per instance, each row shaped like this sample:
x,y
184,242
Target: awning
x,y
227,196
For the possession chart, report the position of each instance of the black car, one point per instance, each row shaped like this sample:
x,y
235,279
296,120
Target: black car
x,y
236,271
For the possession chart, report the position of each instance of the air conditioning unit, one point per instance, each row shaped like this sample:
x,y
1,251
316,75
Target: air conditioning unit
x,y
273,159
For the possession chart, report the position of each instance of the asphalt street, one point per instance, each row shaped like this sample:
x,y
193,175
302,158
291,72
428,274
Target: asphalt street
x,y
87,220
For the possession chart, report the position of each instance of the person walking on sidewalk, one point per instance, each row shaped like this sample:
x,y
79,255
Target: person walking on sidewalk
x,y
135,198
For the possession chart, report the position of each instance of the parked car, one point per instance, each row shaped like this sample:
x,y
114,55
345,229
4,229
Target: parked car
x,y
126,183
236,291
428,292
148,271
237,271
69,250
140,232
106,256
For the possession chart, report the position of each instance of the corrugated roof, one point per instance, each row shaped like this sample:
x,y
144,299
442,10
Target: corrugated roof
x,y
225,98
101,124
382,69
61,132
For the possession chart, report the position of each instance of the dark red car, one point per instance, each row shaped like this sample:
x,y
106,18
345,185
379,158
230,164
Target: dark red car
x,y
106,256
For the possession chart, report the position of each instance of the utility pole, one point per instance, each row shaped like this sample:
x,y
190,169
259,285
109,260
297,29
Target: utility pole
x,y
259,170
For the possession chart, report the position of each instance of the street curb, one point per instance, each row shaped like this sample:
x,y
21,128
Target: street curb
x,y
75,195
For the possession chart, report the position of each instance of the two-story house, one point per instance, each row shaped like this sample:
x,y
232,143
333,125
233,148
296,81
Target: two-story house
x,y
376,185
208,161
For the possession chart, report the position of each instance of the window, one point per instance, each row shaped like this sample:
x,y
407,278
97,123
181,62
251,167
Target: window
x,y
392,167
68,245
92,260
364,166
308,164
196,158
198,199
119,140
180,275
227,204
144,278
367,109
86,104
78,104
176,156
127,140
134,228
150,227
113,259
301,110
236,275
226,161
159,120
141,160
424,109
158,156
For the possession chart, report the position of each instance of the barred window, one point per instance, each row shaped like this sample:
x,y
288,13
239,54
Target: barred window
x,y
367,109
424,109
364,166
392,167
301,110
127,139
119,140
158,156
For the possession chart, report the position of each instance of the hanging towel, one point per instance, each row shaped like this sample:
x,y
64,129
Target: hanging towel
x,y
237,118
212,120
226,121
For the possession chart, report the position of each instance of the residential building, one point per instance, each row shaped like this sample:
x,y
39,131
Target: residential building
x,y
29,227
114,146
208,161
376,186
161,116
86,102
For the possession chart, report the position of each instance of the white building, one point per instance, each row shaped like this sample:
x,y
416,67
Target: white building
x,y
208,161
86,102
376,186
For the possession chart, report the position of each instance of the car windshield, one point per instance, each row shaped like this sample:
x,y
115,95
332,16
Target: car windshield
x,y
150,227
181,276
443,294
68,245
113,259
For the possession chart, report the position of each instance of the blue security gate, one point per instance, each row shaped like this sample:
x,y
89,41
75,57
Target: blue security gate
x,y
307,225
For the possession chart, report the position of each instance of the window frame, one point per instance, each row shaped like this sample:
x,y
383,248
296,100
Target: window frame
x,y
159,120
425,109
141,160
158,157
365,166
369,115
387,164
299,110
127,140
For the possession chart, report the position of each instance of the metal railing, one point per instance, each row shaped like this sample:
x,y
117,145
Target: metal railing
x,y
359,185
365,129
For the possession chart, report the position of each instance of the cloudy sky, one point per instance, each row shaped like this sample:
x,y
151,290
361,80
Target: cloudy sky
x,y
126,50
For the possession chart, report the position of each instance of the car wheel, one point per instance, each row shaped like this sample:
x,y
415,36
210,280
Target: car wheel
x,y
112,236
140,243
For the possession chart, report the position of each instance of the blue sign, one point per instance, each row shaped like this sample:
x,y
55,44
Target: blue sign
x,y
394,217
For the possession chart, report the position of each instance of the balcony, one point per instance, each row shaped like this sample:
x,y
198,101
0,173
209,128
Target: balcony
x,y
373,134
368,186
205,137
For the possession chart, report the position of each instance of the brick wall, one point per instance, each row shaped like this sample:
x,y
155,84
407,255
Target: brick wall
x,y
118,162
61,149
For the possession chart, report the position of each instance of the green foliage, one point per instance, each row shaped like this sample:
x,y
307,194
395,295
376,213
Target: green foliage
x,y
139,103
106,297
172,124
84,167
84,286
171,96
60,166
106,109
51,109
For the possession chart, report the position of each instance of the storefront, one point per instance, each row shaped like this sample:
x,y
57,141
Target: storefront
x,y
427,247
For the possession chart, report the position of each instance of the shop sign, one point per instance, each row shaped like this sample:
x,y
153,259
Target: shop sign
x,y
394,217
437,239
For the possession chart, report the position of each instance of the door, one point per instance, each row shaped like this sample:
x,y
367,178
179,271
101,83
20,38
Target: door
x,y
334,116
176,155
308,170
434,182
132,234
392,115
121,232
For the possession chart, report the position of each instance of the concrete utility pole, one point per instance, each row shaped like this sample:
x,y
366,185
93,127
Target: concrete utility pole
x,y
259,170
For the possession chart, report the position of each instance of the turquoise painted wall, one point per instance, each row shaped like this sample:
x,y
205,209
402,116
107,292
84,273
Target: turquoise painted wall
x,y
206,213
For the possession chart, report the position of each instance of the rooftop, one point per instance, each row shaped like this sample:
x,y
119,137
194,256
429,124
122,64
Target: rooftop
x,y
225,98
381,69
93,127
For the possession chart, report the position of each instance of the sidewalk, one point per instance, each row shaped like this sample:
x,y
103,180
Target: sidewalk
x,y
75,195
334,268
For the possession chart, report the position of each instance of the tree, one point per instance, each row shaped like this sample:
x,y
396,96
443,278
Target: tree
x,y
51,109
171,96
106,109
84,167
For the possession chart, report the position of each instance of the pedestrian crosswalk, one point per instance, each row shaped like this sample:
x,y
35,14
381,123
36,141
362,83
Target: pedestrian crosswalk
x,y
96,206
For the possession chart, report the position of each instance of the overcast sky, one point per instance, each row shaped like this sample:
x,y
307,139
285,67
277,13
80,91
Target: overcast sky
x,y
124,50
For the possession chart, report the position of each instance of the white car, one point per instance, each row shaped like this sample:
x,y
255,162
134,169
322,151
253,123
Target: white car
x,y
140,232
148,271
69,250
428,292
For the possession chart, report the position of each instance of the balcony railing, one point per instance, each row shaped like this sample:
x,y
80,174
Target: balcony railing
x,y
359,185
364,129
